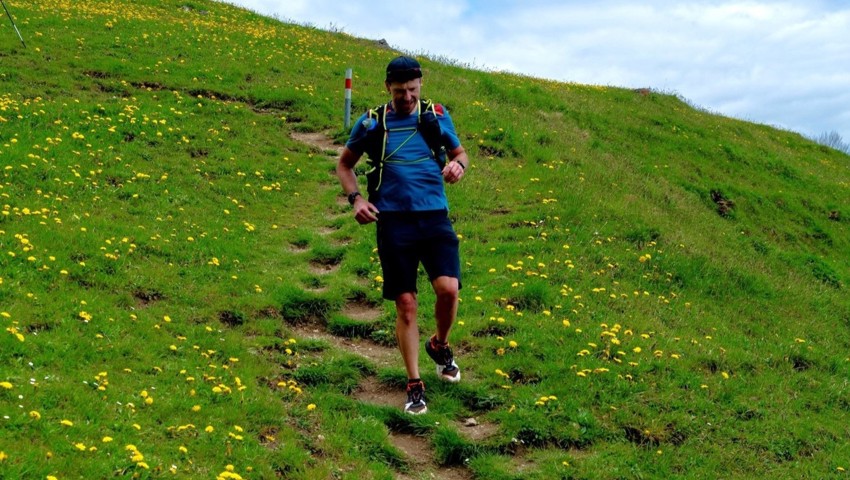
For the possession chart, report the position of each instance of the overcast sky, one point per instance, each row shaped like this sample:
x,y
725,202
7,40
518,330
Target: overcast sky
x,y
785,64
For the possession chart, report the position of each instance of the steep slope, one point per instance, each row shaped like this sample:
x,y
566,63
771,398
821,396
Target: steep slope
x,y
650,289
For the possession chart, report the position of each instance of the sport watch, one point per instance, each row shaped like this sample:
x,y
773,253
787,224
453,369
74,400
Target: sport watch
x,y
353,196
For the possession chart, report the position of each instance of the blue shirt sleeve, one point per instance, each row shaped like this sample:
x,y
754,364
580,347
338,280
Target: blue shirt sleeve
x,y
450,139
357,139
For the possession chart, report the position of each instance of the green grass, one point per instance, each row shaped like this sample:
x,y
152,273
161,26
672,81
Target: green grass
x,y
650,290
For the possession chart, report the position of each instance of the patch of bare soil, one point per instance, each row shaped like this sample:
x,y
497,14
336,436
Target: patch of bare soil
x,y
372,391
318,140
319,268
380,355
362,311
419,453
475,431
298,248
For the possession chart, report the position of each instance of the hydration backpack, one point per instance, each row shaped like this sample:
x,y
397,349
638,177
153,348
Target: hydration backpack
x,y
377,133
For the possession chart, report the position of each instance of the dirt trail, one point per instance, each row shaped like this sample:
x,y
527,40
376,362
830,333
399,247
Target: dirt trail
x,y
318,140
380,355
417,449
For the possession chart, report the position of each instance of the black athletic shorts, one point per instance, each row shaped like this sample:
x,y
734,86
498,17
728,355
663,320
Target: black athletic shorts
x,y
407,239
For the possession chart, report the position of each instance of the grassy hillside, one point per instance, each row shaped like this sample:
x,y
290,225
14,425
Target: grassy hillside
x,y
650,290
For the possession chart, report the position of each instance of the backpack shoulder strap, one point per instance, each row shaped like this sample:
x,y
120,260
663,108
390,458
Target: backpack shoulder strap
x,y
376,139
429,127
376,131
379,114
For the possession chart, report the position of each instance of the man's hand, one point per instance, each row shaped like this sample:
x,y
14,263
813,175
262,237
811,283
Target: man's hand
x,y
456,167
364,212
453,172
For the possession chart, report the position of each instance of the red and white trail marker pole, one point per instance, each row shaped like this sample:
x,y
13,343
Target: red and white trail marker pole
x,y
347,99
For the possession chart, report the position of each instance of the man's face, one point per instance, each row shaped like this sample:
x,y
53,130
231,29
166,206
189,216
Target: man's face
x,y
405,95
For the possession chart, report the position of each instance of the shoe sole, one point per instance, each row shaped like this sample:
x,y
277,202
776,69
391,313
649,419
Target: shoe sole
x,y
447,378
409,412
439,368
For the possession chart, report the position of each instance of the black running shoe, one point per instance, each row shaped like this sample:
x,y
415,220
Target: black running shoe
x,y
447,369
415,399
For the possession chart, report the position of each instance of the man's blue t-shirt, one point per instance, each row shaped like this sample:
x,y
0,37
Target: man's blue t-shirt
x,y
411,180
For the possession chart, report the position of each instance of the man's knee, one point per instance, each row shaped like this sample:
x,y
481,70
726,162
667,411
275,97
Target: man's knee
x,y
446,288
406,305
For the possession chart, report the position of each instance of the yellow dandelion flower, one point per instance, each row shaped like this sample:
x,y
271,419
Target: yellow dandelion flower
x,y
311,407
67,423
6,385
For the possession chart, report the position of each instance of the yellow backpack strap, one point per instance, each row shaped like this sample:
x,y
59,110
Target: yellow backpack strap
x,y
383,124
378,132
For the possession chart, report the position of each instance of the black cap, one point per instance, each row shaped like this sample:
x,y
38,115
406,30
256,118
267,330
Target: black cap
x,y
403,69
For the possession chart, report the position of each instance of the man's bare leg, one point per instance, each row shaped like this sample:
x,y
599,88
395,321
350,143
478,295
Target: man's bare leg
x,y
407,332
445,309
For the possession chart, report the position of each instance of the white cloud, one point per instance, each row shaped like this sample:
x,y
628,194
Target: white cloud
x,y
776,62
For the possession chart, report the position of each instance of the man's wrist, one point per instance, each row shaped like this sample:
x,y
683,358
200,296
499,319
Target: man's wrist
x,y
462,166
353,196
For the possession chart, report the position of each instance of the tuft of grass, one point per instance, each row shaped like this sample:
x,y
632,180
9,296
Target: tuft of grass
x,y
299,306
345,327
